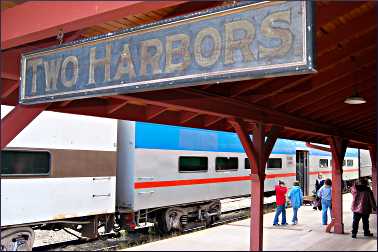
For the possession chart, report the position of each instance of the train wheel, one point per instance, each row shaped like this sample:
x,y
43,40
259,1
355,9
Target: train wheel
x,y
17,239
169,220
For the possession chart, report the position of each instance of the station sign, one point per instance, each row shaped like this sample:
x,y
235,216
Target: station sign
x,y
225,44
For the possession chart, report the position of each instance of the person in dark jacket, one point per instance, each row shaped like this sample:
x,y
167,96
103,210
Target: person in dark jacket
x,y
362,205
318,184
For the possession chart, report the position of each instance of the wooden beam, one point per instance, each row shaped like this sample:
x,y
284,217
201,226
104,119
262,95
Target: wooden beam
x,y
271,140
117,106
210,120
373,157
334,10
369,122
154,111
332,108
240,89
328,68
65,103
317,147
241,129
17,119
37,20
256,152
359,25
8,87
354,46
329,91
187,116
353,114
338,149
203,103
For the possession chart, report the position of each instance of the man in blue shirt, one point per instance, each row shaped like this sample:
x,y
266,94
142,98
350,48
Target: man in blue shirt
x,y
325,194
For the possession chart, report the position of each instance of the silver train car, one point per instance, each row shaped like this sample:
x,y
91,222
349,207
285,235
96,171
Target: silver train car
x,y
59,172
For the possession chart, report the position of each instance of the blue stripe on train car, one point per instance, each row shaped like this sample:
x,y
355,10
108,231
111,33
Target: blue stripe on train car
x,y
166,137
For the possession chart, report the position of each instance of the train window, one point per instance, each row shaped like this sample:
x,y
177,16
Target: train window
x,y
274,163
349,162
344,162
25,163
226,164
193,164
323,163
246,164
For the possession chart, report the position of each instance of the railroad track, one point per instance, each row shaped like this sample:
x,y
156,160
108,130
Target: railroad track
x,y
113,242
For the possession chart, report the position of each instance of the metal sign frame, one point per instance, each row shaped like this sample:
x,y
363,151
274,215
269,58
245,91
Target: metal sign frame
x,y
305,65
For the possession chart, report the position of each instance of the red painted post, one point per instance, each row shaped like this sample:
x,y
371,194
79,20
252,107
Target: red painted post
x,y
257,213
257,189
14,122
373,156
258,153
338,149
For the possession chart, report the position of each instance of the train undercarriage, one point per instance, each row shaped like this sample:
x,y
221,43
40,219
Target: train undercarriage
x,y
163,220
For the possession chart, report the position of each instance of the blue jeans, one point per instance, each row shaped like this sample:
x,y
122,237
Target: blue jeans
x,y
279,210
325,205
295,211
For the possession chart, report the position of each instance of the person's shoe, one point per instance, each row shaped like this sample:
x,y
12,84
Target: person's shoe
x,y
354,236
276,224
284,224
368,234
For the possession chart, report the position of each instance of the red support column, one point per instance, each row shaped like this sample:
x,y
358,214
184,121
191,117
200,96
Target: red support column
x,y
258,153
373,156
14,122
338,149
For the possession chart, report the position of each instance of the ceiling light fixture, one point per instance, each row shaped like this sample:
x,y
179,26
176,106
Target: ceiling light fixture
x,y
355,99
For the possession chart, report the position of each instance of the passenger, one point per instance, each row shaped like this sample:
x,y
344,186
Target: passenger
x,y
318,184
296,199
281,191
362,205
325,195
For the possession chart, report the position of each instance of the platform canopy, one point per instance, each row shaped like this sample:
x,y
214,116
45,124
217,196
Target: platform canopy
x,y
309,107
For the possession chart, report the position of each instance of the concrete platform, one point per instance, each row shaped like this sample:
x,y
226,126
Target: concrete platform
x,y
309,234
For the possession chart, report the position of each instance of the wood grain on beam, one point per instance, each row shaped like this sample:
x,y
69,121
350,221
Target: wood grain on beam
x,y
32,21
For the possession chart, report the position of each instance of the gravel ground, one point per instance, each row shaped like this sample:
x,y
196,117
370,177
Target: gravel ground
x,y
44,237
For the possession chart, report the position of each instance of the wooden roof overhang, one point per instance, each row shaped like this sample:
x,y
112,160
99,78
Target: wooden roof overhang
x,y
309,107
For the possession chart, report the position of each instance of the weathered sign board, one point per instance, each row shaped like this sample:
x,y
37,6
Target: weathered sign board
x,y
239,42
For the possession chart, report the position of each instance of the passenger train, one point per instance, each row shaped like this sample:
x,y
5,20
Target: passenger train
x,y
84,173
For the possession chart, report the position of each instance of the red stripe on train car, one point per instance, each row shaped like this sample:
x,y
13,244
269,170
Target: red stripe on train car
x,y
151,184
139,185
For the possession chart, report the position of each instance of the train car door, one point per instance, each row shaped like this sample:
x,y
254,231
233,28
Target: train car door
x,y
302,170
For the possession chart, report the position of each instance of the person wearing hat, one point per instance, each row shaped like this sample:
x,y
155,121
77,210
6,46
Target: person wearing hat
x,y
281,191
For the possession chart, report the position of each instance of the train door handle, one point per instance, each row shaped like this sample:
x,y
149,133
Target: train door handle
x,y
101,195
149,192
101,178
